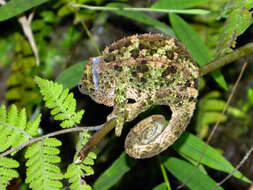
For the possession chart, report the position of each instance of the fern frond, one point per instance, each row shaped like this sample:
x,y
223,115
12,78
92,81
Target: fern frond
x,y
61,102
42,171
76,172
14,128
7,171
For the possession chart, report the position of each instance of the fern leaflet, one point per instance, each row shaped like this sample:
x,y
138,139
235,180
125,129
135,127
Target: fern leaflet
x,y
42,171
6,171
14,130
61,102
76,172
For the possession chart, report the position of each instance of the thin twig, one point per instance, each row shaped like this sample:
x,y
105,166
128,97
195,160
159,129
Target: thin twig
x,y
216,125
95,139
60,132
235,170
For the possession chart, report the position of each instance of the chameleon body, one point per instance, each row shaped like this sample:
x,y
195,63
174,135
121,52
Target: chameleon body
x,y
148,69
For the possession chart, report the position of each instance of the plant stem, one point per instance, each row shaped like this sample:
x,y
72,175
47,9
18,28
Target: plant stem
x,y
165,177
235,170
226,59
60,132
143,9
95,139
86,30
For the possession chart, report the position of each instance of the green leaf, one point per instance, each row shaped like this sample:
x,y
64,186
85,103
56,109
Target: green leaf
x,y
64,10
14,127
13,8
61,101
42,171
72,75
214,105
177,4
182,170
237,22
250,95
192,147
75,174
8,162
48,16
7,171
143,18
195,45
114,173
161,186
212,117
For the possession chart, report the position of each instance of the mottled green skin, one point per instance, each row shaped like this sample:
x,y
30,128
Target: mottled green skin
x,y
150,69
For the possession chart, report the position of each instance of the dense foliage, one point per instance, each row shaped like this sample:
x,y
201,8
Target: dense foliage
x,y
54,39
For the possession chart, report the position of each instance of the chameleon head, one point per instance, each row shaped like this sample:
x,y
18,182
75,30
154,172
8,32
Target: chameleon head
x,y
86,85
89,84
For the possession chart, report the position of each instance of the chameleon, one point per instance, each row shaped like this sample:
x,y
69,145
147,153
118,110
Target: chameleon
x,y
138,72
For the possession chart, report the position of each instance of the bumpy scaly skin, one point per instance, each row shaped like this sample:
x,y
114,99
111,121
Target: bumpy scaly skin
x,y
152,70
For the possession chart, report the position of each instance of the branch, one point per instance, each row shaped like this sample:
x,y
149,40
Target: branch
x,y
108,126
56,133
226,59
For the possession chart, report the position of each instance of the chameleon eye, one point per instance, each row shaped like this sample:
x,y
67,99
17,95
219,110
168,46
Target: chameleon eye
x,y
82,89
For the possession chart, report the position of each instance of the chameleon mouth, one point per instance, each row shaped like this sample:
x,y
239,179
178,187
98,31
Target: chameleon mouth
x,y
82,89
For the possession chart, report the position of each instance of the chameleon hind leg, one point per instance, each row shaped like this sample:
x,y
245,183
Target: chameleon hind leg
x,y
134,109
126,112
154,134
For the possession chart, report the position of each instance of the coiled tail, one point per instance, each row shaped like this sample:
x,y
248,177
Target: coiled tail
x,y
154,134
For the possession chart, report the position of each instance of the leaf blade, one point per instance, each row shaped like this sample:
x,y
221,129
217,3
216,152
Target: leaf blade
x,y
194,44
182,169
70,77
177,4
142,18
191,146
114,173
16,7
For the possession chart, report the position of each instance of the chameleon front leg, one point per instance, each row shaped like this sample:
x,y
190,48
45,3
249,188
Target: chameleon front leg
x,y
134,109
118,112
